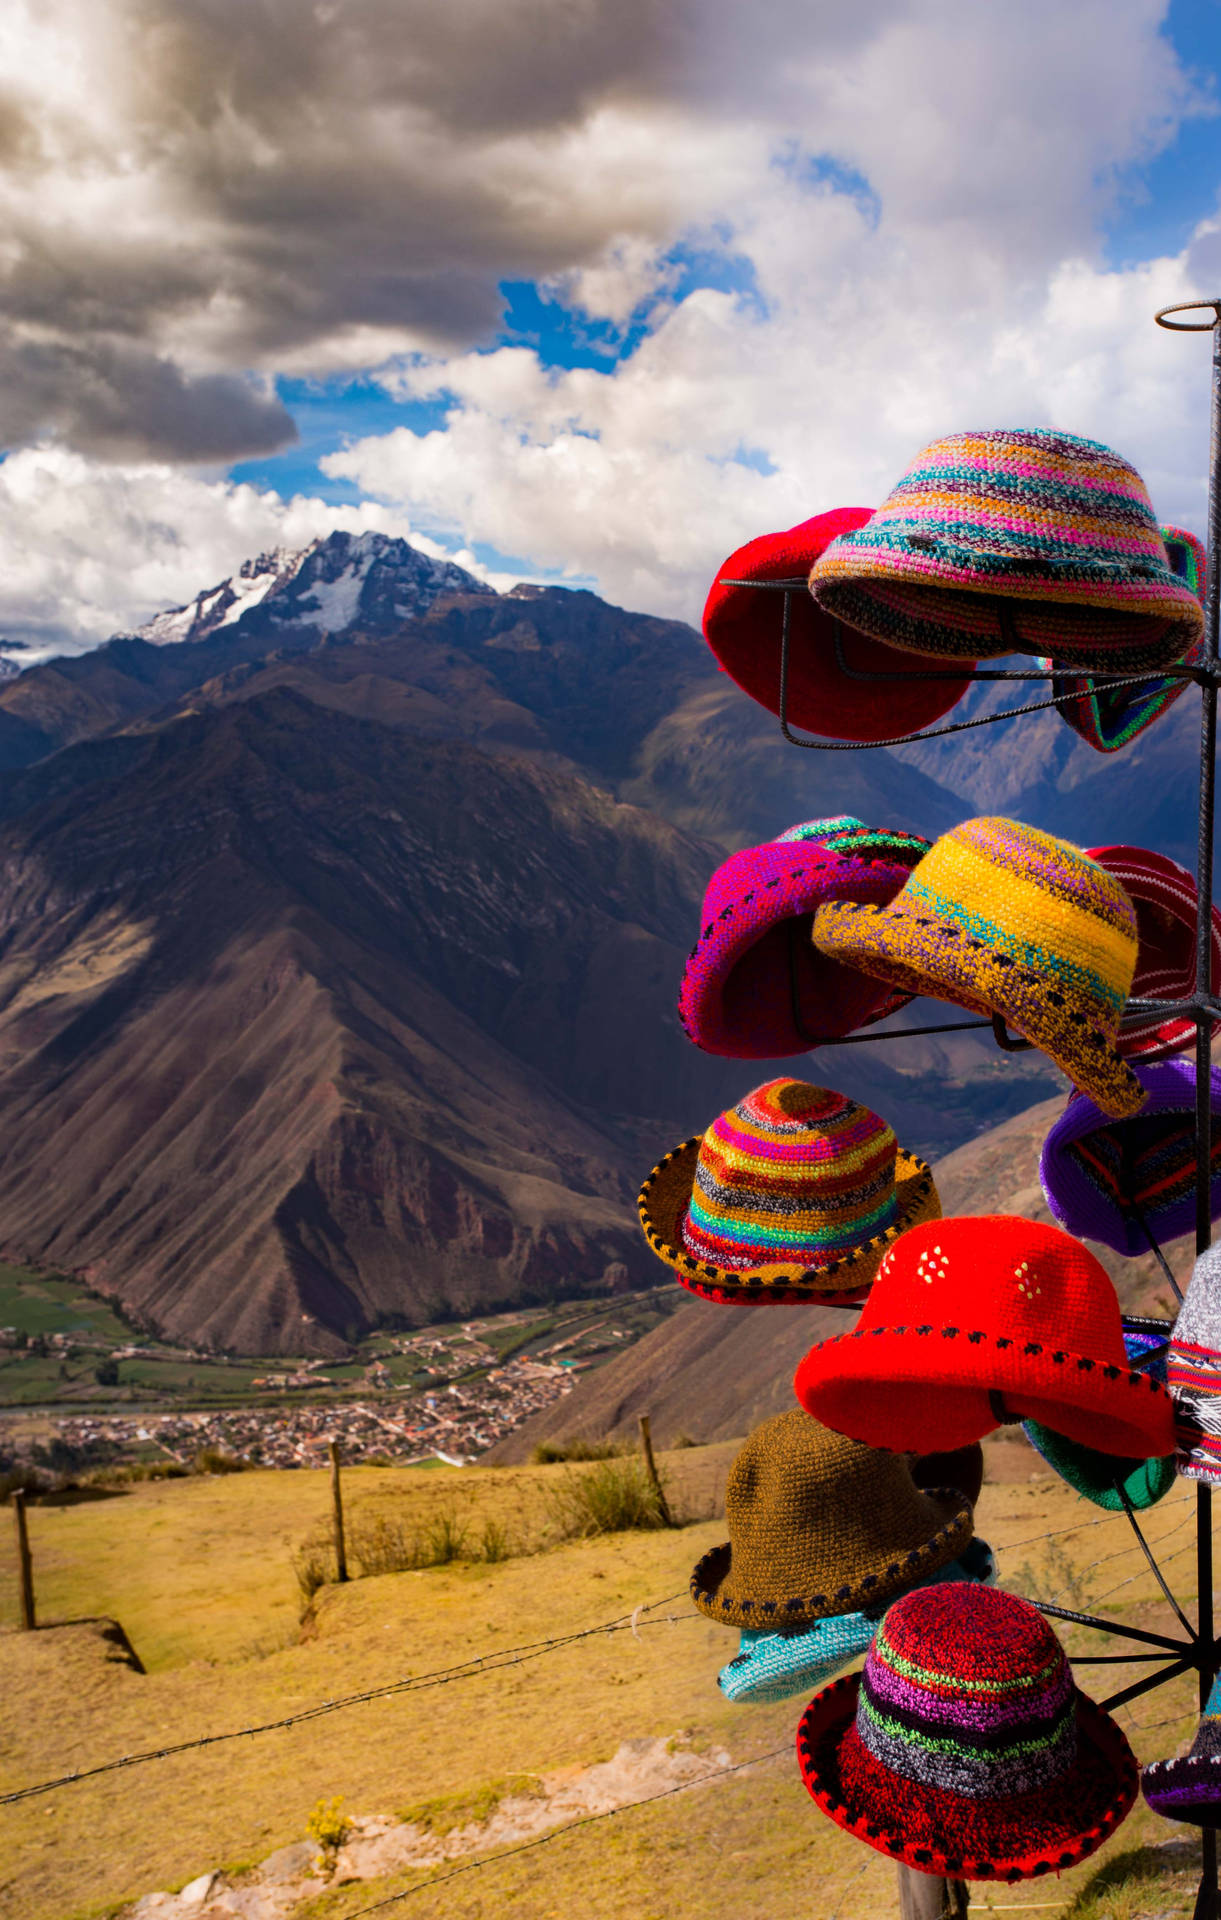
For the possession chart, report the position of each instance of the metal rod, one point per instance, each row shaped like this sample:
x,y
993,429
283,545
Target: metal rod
x,y
1158,1575
1140,1634
1160,1257
904,1033
1147,1685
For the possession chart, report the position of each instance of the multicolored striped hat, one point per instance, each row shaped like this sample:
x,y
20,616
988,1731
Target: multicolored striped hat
x,y
1193,1373
795,1192
965,1747
976,1323
1003,919
1106,1479
755,986
819,1526
1107,717
1015,542
775,1666
1125,1182
743,626
1188,1788
1167,912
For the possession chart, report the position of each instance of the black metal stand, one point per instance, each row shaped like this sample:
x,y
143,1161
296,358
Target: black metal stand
x,y
1199,1648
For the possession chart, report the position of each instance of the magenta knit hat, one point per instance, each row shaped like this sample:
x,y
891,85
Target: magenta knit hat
x,y
756,987
1101,1177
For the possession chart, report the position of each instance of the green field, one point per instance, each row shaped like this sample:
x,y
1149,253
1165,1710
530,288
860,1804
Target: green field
x,y
199,1573
45,1303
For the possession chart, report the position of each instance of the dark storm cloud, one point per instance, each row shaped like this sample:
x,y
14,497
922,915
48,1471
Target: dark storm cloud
x,y
231,184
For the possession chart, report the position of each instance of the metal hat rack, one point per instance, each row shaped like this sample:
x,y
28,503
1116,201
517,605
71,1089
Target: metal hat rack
x,y
1200,1647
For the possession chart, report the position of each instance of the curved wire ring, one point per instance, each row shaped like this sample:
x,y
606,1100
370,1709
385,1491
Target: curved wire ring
x,y
1190,326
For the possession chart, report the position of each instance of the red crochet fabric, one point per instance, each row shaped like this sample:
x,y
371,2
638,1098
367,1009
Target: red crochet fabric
x,y
972,1324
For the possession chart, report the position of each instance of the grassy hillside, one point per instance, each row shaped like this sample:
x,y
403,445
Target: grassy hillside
x,y
200,1574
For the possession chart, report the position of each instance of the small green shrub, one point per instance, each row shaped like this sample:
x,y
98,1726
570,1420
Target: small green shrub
x,y
214,1460
609,1496
314,1566
549,1452
494,1542
444,1539
382,1546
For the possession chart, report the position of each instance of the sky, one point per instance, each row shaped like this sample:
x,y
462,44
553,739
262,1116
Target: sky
x,y
585,291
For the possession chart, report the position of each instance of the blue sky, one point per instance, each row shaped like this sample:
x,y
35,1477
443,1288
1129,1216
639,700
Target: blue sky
x,y
592,307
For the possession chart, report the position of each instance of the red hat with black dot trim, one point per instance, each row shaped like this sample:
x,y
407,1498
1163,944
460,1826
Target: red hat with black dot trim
x,y
976,1324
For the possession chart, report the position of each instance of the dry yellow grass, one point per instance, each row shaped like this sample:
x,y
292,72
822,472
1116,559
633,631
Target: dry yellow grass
x,y
198,1573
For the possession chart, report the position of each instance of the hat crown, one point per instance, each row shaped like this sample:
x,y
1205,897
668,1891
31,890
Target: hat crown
x,y
793,1172
1018,1280
1038,900
967,1689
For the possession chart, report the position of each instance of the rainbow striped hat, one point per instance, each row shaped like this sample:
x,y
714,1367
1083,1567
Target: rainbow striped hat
x,y
1015,542
1108,717
1000,918
965,1747
794,1192
1193,1373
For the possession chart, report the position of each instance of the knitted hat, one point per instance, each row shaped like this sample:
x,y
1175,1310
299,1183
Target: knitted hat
x,y
974,1323
1193,1372
1015,542
756,987
1103,1177
743,626
1098,1477
1167,913
819,1525
965,1748
794,1192
1189,1788
1108,716
1000,918
775,1666
963,1468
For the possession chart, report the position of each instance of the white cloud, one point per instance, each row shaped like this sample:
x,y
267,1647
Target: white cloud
x,y
88,550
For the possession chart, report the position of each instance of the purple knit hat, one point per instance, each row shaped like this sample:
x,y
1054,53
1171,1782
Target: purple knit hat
x,y
1102,1176
756,987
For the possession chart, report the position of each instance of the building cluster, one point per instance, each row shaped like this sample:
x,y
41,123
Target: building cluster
x,y
456,1422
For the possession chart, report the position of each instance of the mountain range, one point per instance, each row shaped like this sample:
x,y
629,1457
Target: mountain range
x,y
342,914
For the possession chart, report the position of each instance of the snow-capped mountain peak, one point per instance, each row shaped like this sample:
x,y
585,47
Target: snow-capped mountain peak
x,y
370,581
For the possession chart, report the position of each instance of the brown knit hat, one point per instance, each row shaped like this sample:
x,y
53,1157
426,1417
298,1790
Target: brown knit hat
x,y
819,1525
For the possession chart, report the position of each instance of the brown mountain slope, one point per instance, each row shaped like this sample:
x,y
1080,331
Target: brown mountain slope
x,y
714,1372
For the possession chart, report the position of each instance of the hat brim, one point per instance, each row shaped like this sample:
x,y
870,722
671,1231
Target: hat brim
x,y
1108,718
1080,1189
1167,914
1188,1788
666,1195
892,1386
715,1593
937,958
1099,1476
947,607
1018,1837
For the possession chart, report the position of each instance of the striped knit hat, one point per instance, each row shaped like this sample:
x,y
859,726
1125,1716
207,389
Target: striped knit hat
x,y
744,625
1001,918
973,1323
1099,1477
1015,542
755,986
1193,1372
1167,912
794,1192
1109,1180
1108,717
1189,1788
819,1526
965,1748
775,1666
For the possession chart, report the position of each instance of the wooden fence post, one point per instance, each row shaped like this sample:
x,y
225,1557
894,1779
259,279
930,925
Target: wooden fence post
x,y
650,1467
25,1567
341,1556
922,1896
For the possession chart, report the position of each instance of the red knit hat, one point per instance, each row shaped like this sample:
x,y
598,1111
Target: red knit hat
x,y
973,1324
743,628
1167,913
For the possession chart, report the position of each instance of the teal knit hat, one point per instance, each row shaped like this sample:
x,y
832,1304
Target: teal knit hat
x,y
1099,1476
775,1666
